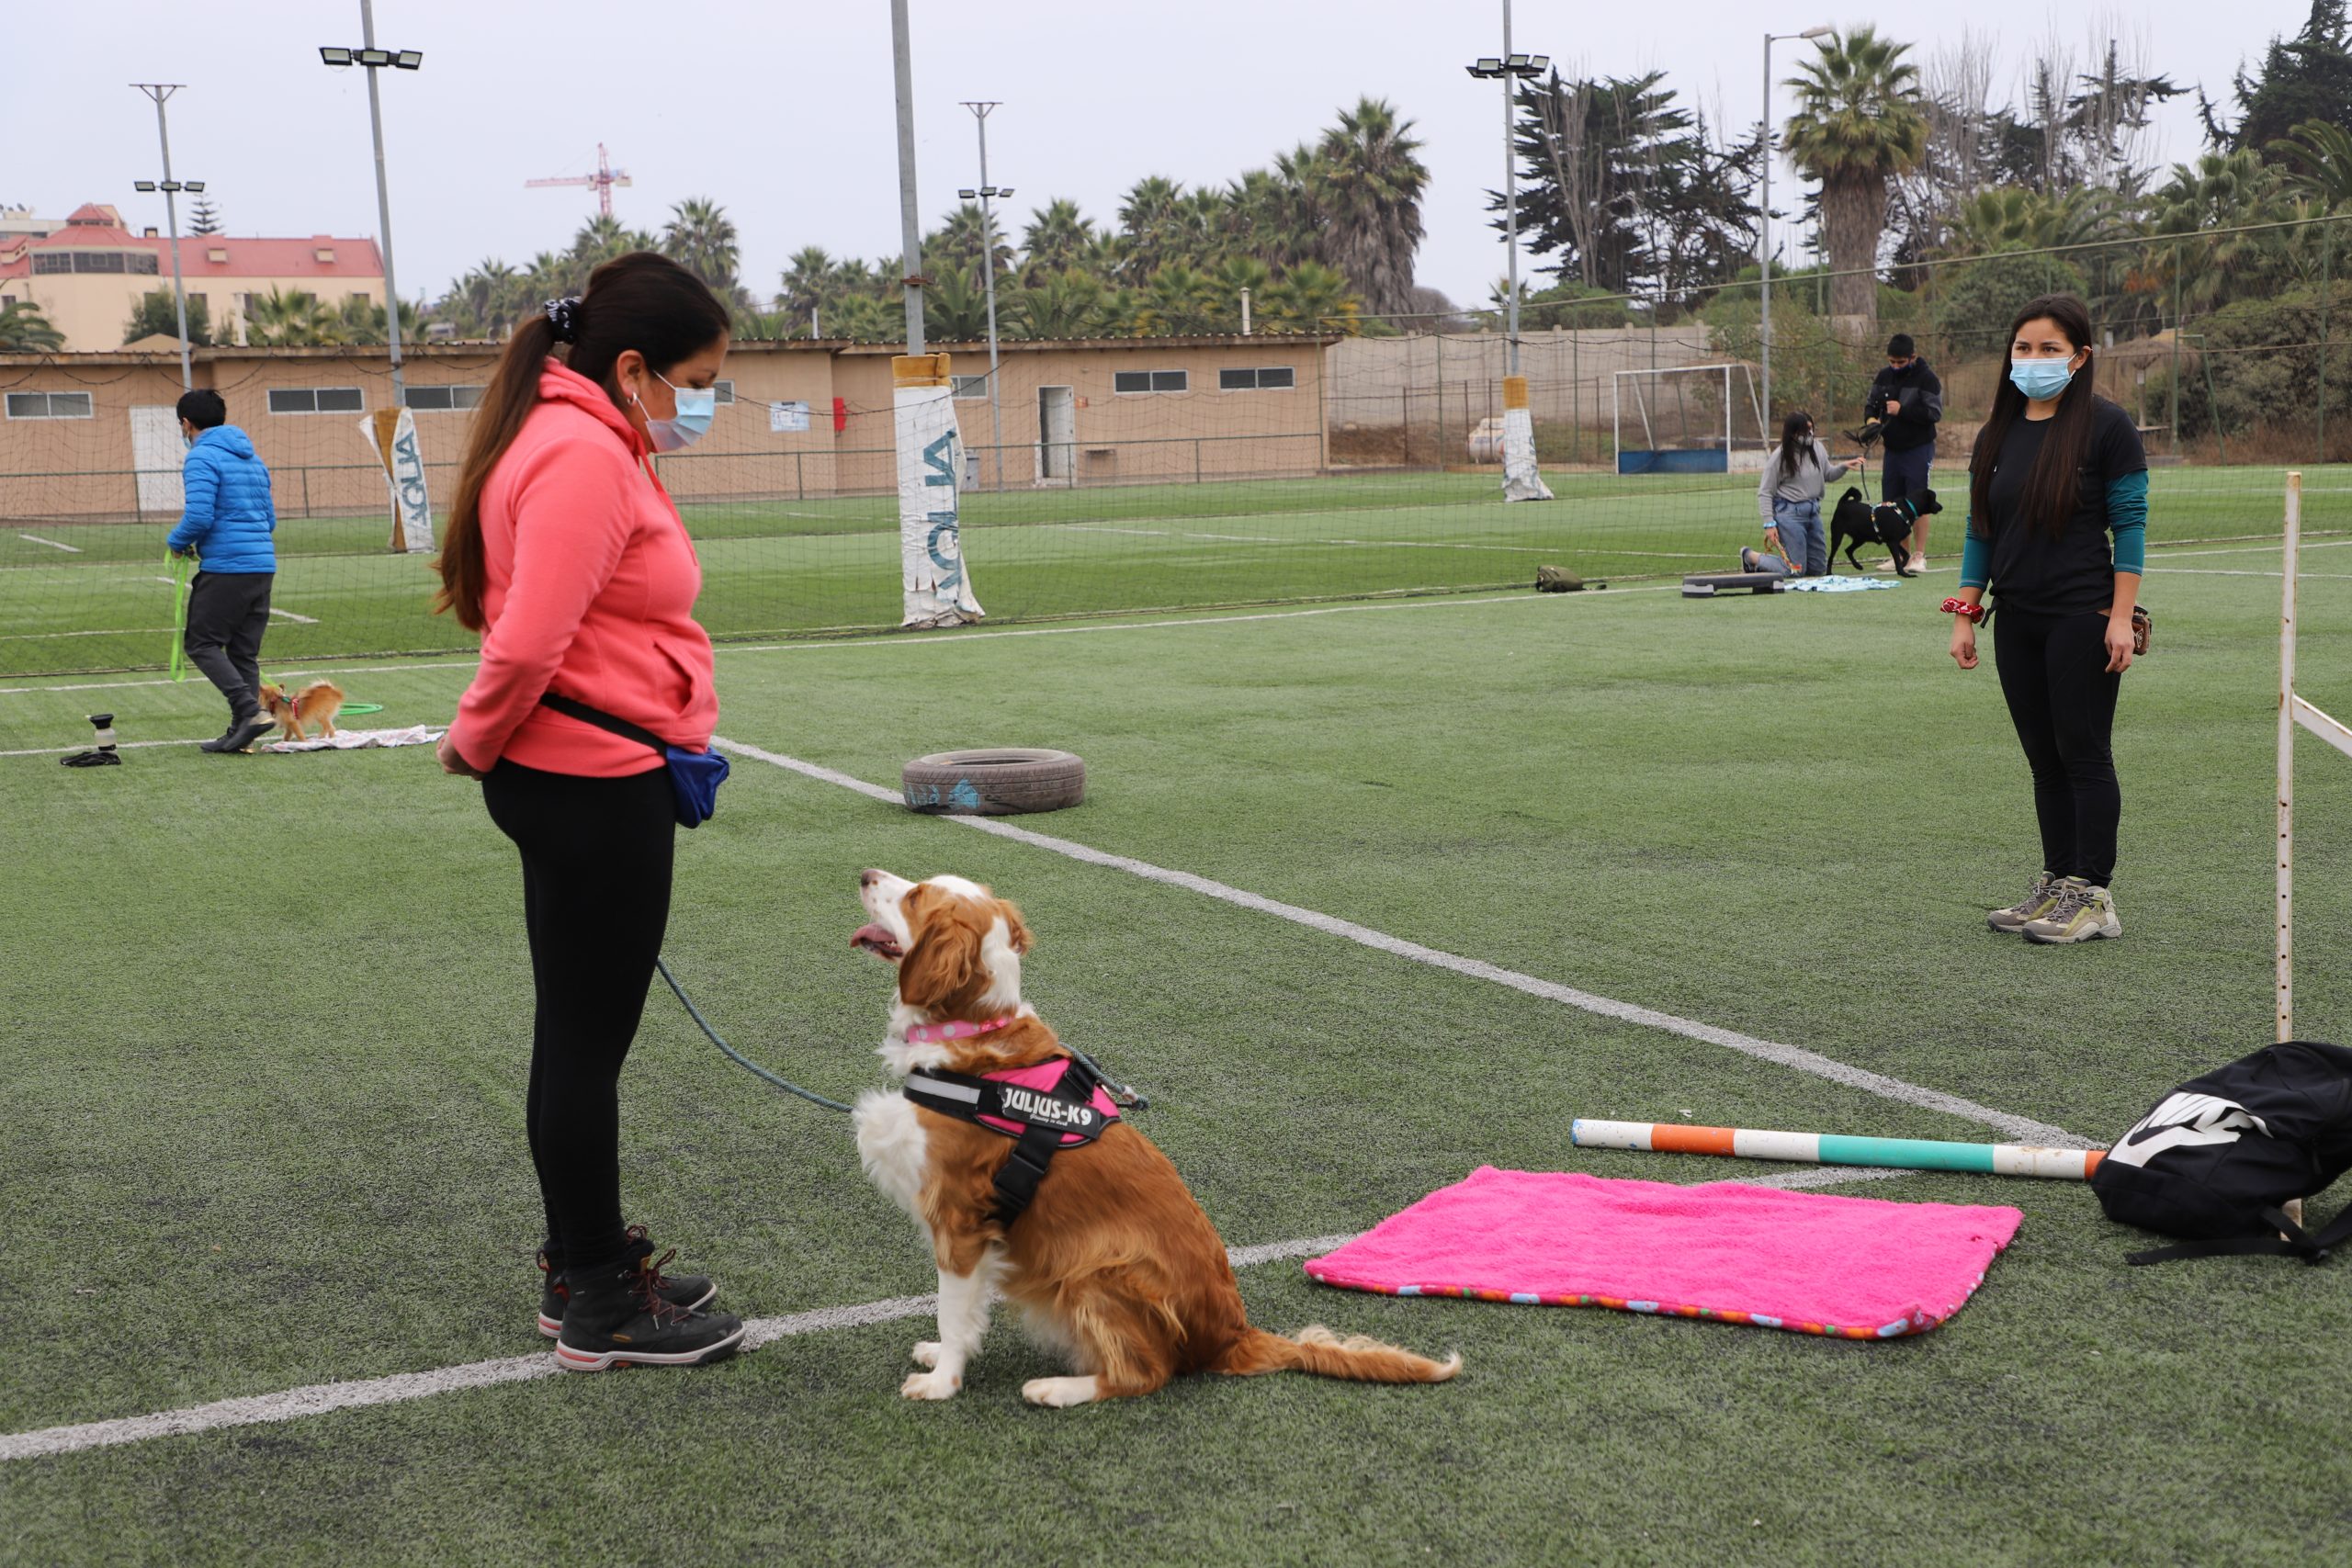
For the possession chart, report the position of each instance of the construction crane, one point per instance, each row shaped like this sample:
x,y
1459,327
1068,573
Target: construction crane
x,y
603,179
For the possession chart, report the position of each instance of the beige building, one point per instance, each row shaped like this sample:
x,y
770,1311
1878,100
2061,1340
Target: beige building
x,y
87,274
93,436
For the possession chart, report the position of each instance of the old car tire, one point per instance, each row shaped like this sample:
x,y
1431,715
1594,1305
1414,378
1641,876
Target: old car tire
x,y
1002,781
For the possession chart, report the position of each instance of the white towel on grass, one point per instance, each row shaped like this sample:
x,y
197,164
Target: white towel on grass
x,y
362,739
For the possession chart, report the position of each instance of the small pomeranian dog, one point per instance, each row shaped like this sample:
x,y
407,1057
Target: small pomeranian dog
x,y
317,702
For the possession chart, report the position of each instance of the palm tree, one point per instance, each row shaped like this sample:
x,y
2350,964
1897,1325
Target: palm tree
x,y
290,319
1234,274
1069,304
2319,156
861,317
1369,184
2221,190
1056,239
1151,223
24,329
1859,123
1311,297
1179,302
157,314
811,282
954,306
701,238
967,235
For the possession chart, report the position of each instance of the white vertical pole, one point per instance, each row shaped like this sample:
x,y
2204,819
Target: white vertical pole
x,y
383,209
1764,243
2287,759
910,214
1510,183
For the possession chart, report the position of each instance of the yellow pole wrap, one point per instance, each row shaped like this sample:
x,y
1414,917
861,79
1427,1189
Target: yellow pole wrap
x,y
1514,391
919,370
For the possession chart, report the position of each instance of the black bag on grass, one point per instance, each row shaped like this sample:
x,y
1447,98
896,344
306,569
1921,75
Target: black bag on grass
x,y
2219,1157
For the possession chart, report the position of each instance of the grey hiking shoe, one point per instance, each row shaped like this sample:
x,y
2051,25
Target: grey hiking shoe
x,y
2039,901
2083,913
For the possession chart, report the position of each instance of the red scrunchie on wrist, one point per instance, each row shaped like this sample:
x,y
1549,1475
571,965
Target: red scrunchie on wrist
x,y
1956,607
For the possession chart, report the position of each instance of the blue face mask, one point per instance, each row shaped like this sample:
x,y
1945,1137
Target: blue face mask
x,y
698,406
2040,380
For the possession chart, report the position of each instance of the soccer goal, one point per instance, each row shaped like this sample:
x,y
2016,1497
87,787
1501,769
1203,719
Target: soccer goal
x,y
2292,711
1685,418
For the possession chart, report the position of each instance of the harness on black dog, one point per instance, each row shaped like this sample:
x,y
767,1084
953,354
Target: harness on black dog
x,y
1044,1109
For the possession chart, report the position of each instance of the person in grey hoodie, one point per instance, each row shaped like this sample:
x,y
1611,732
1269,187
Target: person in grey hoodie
x,y
1789,495
228,526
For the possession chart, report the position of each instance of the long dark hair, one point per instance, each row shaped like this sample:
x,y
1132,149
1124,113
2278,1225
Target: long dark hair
x,y
2050,496
1795,444
643,301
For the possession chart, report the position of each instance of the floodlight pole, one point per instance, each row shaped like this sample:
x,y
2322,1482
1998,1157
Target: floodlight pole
x,y
988,263
159,91
1510,70
1764,226
910,214
383,209
1511,190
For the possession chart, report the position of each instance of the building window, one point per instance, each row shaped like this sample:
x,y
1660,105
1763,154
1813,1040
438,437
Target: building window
x,y
143,262
443,400
315,399
970,387
217,255
195,302
1151,381
50,405
726,391
326,255
1264,378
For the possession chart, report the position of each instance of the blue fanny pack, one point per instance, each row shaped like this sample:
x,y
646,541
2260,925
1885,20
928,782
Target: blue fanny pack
x,y
695,776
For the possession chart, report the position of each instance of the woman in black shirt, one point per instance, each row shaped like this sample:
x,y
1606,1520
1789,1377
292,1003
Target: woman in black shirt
x,y
2056,472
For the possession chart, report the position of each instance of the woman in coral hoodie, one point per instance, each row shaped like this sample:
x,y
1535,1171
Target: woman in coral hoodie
x,y
565,552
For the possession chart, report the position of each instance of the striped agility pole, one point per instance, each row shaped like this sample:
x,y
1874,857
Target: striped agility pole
x,y
1829,1148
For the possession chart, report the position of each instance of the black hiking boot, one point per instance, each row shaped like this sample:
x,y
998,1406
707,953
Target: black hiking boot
x,y
617,1317
689,1291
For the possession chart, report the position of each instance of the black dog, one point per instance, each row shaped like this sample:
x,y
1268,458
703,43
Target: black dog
x,y
1856,522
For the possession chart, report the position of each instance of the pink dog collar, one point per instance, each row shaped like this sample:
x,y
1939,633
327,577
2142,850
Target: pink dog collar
x,y
940,1034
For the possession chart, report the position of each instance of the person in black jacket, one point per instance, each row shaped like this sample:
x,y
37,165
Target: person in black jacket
x,y
1910,400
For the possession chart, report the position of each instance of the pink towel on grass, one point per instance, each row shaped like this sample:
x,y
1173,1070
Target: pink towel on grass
x,y
1808,1262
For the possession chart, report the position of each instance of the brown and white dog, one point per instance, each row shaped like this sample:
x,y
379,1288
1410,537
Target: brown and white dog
x,y
317,702
1112,1263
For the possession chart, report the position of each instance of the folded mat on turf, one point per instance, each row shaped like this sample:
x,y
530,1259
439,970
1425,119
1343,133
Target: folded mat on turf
x,y
1836,584
361,740
1808,1262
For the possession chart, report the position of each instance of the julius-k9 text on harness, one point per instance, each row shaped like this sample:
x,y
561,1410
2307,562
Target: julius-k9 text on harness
x,y
1044,1109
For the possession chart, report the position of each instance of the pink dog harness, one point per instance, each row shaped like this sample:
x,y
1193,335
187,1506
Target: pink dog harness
x,y
1044,1108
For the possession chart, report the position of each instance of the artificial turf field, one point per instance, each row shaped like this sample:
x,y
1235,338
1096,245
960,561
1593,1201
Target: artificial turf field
x,y
85,596
267,1018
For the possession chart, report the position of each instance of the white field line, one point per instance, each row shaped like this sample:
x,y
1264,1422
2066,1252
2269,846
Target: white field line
x,y
120,746
1793,1057
306,620
319,1399
53,544
121,631
905,639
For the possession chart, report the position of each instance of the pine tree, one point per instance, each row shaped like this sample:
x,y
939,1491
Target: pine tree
x,y
204,217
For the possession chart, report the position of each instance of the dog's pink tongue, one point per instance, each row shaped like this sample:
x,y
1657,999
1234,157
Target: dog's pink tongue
x,y
873,939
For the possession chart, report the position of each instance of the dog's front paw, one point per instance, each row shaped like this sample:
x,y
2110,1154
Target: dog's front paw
x,y
931,1386
926,1352
1058,1393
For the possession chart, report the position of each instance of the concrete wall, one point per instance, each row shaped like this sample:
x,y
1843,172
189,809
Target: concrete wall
x,y
81,468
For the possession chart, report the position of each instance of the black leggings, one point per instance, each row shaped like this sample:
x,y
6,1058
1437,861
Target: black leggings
x,y
2061,699
596,856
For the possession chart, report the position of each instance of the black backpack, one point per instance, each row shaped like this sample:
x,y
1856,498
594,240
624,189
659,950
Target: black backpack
x,y
2221,1156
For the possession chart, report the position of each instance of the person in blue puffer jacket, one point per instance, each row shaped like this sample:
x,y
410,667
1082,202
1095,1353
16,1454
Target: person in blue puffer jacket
x,y
227,526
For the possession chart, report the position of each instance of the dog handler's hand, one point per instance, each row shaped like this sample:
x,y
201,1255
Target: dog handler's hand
x,y
1963,643
2118,644
453,761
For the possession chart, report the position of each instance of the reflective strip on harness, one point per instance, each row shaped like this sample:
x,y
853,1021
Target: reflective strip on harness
x,y
1046,1108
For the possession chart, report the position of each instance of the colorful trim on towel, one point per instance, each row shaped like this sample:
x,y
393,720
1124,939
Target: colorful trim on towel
x,y
1917,1321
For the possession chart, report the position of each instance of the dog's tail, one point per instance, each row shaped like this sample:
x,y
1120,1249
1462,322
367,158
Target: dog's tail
x,y
1319,1351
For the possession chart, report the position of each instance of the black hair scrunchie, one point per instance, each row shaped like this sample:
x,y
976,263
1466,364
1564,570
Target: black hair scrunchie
x,y
564,316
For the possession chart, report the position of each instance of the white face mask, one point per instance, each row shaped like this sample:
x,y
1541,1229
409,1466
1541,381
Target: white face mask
x,y
698,406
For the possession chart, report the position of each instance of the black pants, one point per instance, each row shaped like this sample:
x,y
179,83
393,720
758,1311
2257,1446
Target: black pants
x,y
1905,472
227,612
596,856
2061,699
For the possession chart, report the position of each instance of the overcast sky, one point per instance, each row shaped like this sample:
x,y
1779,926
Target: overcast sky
x,y
782,111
